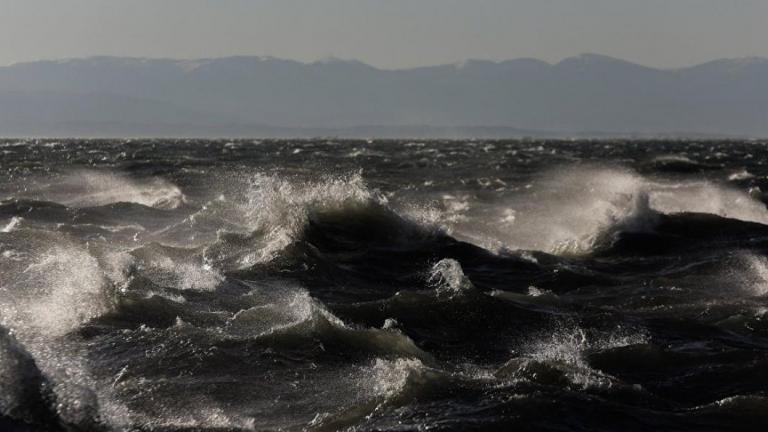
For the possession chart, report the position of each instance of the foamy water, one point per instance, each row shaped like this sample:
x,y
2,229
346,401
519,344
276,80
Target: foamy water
x,y
370,285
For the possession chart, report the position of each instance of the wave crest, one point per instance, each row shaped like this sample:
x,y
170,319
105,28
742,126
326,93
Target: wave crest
x,y
61,288
274,212
449,278
578,211
91,188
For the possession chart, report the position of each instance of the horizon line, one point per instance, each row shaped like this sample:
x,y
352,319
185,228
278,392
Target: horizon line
x,y
330,59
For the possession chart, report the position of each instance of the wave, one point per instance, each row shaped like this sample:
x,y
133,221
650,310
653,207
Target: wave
x,y
630,214
577,211
170,267
266,319
91,188
128,219
387,384
276,213
24,392
279,316
47,388
562,356
53,287
746,273
742,175
261,219
678,164
449,278
34,210
584,211
300,317
752,405
400,378
678,232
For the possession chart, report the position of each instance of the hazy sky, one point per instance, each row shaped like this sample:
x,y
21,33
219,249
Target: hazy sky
x,y
386,33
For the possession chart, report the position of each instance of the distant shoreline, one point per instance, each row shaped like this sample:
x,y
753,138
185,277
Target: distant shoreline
x,y
588,96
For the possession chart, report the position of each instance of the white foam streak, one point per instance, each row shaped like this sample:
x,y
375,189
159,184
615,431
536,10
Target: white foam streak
x,y
15,221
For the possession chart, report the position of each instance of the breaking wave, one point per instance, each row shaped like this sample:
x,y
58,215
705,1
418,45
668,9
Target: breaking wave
x,y
90,188
275,213
55,290
577,211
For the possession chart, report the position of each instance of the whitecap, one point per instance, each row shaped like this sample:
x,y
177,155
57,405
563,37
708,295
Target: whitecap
x,y
574,211
449,278
62,288
13,224
566,348
89,188
272,212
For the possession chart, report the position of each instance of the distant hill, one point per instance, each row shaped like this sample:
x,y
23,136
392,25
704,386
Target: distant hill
x,y
263,96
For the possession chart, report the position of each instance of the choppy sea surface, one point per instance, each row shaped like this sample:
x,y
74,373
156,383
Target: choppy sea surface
x,y
160,285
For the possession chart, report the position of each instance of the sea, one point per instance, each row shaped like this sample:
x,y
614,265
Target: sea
x,y
383,285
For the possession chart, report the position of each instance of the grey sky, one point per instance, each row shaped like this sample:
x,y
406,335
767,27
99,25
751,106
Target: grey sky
x,y
386,33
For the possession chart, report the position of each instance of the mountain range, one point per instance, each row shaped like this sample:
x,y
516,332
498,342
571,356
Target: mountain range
x,y
264,96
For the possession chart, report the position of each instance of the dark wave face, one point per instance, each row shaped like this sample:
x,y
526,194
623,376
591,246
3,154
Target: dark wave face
x,y
383,285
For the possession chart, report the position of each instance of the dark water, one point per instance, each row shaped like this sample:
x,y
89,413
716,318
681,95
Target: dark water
x,y
383,286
